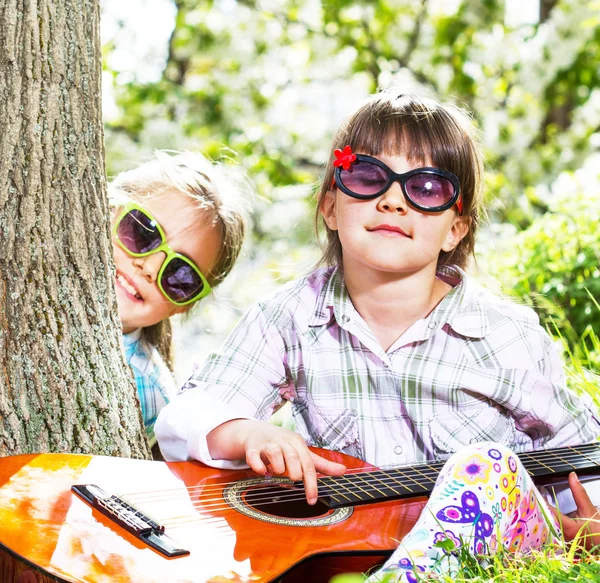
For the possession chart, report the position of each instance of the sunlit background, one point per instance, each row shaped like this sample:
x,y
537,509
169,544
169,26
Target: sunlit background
x,y
266,83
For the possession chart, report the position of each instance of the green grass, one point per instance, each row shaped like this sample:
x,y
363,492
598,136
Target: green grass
x,y
583,360
545,566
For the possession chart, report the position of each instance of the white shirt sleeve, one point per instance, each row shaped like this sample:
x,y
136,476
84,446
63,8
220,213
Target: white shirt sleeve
x,y
184,423
241,382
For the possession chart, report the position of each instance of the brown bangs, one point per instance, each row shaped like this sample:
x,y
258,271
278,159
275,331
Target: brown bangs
x,y
418,129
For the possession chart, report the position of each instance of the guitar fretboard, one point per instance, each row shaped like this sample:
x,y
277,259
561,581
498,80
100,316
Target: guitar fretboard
x,y
383,485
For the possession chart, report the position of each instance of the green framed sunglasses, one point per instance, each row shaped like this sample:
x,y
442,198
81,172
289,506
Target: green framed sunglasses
x,y
139,235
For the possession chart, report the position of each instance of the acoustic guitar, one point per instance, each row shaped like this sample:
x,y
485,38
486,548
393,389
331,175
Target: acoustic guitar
x,y
91,519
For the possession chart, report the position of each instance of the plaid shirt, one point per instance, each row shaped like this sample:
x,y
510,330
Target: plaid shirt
x,y
155,383
477,368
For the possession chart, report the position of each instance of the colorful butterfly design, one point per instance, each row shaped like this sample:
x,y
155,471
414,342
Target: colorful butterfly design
x,y
470,513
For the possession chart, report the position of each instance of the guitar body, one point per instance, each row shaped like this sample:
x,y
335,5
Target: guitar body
x,y
47,533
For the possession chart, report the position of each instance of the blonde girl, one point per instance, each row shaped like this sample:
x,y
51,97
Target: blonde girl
x,y
178,228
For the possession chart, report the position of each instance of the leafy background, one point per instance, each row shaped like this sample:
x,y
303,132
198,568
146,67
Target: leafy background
x,y
262,85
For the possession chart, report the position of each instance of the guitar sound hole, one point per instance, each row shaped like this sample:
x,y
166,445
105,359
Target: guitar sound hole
x,y
286,502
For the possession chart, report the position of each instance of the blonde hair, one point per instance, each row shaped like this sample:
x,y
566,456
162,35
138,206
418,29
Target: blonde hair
x,y
214,190
425,131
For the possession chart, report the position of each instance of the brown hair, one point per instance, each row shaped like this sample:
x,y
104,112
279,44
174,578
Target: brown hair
x,y
214,190
426,131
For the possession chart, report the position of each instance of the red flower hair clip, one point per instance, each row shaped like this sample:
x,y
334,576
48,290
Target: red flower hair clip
x,y
344,158
459,205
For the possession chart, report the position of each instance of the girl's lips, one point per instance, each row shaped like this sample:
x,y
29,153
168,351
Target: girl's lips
x,y
125,284
389,229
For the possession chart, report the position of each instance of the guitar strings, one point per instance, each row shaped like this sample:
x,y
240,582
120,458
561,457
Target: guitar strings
x,y
434,468
272,479
373,479
298,493
287,495
218,504
179,521
423,469
218,486
223,509
203,507
376,479
372,486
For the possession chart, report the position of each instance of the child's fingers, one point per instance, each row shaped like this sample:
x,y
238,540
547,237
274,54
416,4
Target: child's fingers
x,y
587,513
309,475
327,467
569,527
287,453
293,465
254,460
310,485
585,507
311,464
586,524
273,452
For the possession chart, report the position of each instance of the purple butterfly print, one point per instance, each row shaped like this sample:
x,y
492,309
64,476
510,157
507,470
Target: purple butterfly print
x,y
469,513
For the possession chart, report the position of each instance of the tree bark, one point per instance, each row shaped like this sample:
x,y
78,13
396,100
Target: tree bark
x,y
64,383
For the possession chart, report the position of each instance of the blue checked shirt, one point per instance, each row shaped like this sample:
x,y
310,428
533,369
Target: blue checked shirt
x,y
477,368
155,383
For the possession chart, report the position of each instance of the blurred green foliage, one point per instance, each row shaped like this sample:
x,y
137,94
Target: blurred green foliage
x,y
555,263
232,66
269,81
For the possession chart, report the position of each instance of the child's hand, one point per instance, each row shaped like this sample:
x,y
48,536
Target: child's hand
x,y
587,516
287,454
264,444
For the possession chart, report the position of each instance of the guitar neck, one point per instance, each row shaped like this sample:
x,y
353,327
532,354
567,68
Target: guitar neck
x,y
369,487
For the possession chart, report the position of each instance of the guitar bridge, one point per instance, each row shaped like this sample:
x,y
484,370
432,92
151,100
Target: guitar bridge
x,y
129,518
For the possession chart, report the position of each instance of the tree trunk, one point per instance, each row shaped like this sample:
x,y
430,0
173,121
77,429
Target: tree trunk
x,y
64,383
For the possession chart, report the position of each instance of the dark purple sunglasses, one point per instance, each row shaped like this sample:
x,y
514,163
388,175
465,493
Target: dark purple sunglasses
x,y
427,189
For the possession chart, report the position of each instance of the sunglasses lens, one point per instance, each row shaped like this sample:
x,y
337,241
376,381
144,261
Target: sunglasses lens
x,y
365,178
138,233
180,281
429,190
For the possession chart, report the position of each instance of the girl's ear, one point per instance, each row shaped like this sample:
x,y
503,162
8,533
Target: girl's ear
x,y
328,210
457,232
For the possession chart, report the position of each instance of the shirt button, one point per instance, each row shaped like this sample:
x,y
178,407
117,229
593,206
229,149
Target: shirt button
x,y
473,440
345,318
432,325
398,450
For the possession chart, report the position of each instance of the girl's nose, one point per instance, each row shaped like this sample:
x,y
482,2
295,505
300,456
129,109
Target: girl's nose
x,y
393,199
150,265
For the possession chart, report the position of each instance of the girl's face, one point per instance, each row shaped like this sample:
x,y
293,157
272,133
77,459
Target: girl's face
x,y
386,234
140,301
